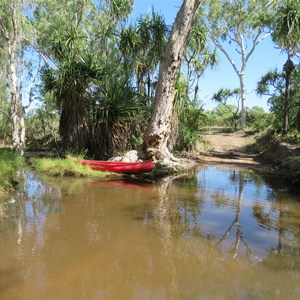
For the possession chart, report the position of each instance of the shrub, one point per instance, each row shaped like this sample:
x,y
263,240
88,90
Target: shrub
x,y
9,165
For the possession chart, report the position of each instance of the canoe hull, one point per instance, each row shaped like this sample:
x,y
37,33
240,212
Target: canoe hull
x,y
120,167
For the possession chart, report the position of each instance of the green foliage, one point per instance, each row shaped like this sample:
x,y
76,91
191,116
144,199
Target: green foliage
x,y
142,45
258,119
293,137
191,118
65,167
120,8
286,34
9,165
272,84
291,168
119,117
198,56
42,126
223,95
227,114
286,26
4,119
239,17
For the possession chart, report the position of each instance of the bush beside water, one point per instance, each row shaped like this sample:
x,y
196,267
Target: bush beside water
x,y
9,165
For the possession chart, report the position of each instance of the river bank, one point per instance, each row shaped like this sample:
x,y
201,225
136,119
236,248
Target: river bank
x,y
264,153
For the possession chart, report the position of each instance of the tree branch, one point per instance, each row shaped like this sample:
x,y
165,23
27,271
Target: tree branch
x,y
39,52
3,29
256,41
5,113
216,42
32,87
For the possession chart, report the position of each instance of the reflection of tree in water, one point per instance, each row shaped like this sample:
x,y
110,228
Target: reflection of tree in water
x,y
282,217
239,237
228,195
34,202
166,215
275,218
222,199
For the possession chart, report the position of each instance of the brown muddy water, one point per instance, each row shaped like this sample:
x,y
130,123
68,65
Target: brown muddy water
x,y
215,234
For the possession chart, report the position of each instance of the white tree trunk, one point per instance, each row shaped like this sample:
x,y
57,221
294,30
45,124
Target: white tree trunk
x,y
159,130
13,94
17,111
243,101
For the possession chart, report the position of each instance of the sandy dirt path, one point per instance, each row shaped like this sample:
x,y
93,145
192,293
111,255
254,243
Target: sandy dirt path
x,y
227,142
230,148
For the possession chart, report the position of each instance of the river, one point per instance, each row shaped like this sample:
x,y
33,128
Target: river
x,y
217,233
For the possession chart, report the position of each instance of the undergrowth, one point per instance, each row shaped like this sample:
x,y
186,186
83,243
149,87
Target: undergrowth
x,y
65,167
290,168
9,165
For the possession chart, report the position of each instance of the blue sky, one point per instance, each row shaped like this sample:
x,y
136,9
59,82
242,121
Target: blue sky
x,y
265,58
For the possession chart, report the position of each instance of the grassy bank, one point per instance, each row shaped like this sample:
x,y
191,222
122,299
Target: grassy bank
x,y
9,165
283,152
65,167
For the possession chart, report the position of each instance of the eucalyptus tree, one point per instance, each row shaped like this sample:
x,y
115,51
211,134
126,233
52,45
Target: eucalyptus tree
x,y
156,141
4,101
286,34
14,26
236,27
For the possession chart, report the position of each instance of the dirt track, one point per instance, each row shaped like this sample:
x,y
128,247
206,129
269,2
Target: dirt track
x,y
227,142
230,148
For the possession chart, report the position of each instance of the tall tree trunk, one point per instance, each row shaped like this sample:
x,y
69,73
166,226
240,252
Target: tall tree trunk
x,y
12,35
243,100
288,68
17,111
286,105
73,123
156,141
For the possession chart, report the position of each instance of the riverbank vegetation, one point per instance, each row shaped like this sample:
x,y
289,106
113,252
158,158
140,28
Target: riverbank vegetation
x,y
83,76
9,166
65,167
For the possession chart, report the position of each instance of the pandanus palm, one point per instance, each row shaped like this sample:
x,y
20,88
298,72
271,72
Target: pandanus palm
x,y
116,115
198,56
141,46
68,82
286,34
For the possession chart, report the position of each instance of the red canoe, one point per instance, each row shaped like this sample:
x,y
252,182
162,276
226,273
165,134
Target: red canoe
x,y
119,166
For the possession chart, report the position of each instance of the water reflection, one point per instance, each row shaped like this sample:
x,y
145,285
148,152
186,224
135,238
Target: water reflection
x,y
177,239
242,214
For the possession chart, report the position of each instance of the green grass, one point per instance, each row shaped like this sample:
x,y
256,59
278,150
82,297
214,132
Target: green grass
x,y
9,165
65,167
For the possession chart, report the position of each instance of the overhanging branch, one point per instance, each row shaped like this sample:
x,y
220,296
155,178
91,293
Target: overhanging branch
x,y
5,113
